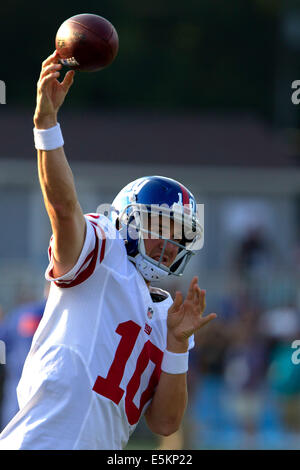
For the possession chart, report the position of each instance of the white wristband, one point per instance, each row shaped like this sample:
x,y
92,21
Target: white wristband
x,y
48,139
174,363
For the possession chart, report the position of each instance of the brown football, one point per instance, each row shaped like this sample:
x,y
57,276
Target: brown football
x,y
87,42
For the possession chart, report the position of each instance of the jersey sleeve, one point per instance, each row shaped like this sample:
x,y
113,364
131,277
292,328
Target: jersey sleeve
x,y
98,236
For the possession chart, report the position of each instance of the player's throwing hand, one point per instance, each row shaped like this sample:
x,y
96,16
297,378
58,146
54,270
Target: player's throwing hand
x,y
185,317
50,92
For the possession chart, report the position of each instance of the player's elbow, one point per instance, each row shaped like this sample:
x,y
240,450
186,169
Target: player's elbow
x,y
168,430
62,210
163,428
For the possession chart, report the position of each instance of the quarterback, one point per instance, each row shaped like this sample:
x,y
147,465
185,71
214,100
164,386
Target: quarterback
x,y
110,348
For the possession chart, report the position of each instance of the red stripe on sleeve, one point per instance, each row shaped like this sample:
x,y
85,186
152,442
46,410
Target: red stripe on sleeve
x,y
87,272
94,216
102,251
50,249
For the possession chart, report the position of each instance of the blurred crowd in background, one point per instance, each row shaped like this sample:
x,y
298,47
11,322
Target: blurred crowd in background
x,y
204,89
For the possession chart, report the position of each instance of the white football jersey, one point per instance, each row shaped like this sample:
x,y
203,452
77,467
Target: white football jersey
x,y
96,356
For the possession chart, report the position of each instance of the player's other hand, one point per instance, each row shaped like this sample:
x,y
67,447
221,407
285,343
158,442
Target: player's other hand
x,y
185,317
50,92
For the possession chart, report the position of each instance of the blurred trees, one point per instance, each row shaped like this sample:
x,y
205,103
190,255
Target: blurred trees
x,y
218,54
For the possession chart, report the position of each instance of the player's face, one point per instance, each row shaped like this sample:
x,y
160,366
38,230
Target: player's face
x,y
154,246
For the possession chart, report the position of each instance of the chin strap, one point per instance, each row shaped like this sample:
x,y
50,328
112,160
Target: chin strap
x,y
149,271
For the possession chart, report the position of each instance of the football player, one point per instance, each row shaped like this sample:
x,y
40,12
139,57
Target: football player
x,y
109,348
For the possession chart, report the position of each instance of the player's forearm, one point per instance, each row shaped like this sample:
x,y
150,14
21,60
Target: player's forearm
x,y
55,175
168,405
57,182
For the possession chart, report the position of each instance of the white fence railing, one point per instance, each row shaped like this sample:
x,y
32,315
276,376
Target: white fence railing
x,y
21,281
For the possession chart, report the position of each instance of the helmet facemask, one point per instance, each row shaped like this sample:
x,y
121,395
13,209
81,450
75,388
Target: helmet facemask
x,y
138,222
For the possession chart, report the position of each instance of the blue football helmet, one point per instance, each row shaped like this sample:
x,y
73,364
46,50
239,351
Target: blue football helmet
x,y
145,208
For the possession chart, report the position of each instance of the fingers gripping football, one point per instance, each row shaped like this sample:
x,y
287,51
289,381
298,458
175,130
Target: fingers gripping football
x,y
50,92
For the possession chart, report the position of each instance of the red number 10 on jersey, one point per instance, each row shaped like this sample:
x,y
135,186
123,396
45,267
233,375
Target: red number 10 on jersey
x,y
110,388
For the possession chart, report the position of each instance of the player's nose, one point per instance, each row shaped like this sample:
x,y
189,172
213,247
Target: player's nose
x,y
169,247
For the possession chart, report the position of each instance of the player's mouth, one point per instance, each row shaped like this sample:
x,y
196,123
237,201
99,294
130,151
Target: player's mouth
x,y
164,259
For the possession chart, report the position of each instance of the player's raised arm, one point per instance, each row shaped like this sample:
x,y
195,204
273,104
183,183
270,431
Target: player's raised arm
x,y
55,175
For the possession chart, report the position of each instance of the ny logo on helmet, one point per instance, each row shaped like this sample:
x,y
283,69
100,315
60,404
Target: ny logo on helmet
x,y
187,207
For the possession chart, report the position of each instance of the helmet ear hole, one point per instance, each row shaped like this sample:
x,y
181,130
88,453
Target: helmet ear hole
x,y
118,224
